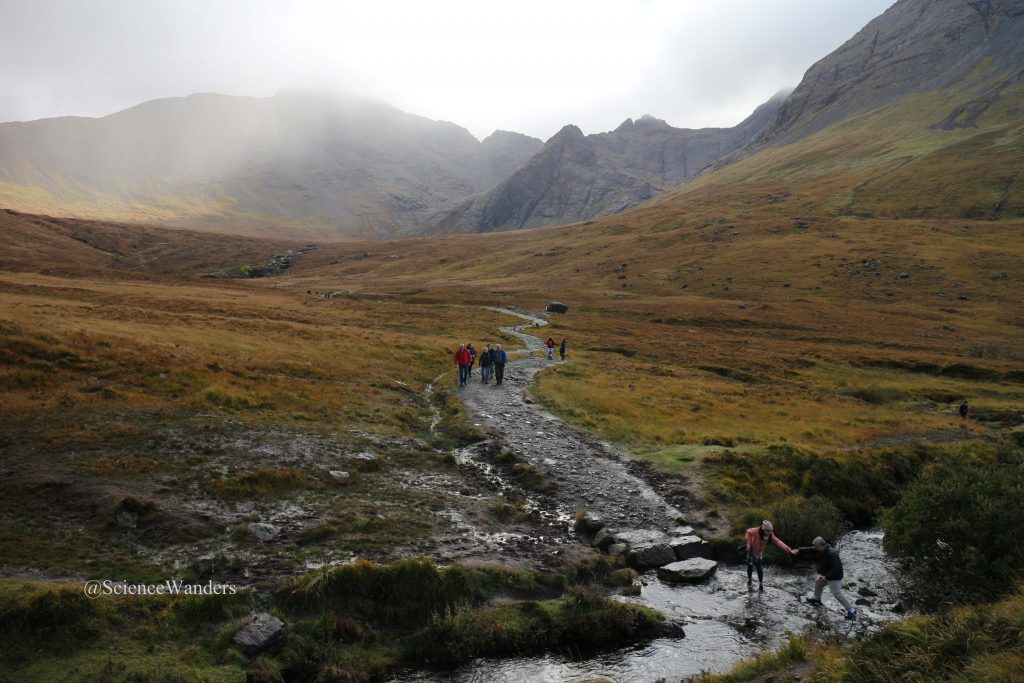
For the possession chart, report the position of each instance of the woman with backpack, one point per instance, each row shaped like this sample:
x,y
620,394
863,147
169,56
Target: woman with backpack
x,y
757,540
551,348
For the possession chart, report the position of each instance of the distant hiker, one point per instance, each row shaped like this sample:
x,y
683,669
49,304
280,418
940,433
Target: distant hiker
x,y
499,358
964,409
551,348
472,358
486,362
561,349
757,541
462,360
830,572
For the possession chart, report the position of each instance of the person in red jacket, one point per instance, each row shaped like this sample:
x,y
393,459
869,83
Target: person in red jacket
x,y
551,348
462,359
757,540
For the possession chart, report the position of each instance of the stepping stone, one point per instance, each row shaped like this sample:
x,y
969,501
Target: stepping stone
x,y
688,547
693,570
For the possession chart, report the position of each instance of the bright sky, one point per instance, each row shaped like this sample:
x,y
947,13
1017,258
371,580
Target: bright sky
x,y
531,66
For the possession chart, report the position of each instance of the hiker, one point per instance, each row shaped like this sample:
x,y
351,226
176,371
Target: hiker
x,y
757,540
551,348
964,409
499,358
830,572
472,359
486,360
561,349
462,360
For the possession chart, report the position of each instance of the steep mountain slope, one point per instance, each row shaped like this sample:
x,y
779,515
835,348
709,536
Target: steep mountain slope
x,y
916,46
291,163
577,177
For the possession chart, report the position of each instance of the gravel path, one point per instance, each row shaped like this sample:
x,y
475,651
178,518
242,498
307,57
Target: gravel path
x,y
588,473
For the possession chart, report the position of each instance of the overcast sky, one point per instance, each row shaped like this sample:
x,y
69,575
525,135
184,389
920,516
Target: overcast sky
x,y
523,65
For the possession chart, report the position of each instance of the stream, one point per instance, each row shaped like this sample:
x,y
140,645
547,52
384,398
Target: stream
x,y
723,620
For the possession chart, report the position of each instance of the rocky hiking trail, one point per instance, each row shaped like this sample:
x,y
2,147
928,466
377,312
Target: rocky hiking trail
x,y
634,512
585,473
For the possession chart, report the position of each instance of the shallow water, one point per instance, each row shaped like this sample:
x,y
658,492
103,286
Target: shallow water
x,y
723,620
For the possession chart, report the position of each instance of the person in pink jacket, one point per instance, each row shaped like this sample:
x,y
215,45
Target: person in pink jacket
x,y
757,540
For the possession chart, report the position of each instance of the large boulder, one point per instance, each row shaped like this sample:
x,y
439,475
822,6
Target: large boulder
x,y
654,555
604,539
693,570
556,307
638,537
589,522
263,632
687,547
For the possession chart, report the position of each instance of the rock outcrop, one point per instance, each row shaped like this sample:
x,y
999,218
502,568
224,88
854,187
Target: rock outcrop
x,y
576,177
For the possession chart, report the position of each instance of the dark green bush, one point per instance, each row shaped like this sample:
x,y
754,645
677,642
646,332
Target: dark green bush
x,y
961,523
798,520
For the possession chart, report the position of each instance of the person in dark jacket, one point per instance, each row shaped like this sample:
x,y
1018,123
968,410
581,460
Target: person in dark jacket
x,y
561,349
964,409
830,573
472,358
485,364
499,359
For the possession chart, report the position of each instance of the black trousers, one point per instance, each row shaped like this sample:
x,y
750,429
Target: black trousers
x,y
499,372
754,562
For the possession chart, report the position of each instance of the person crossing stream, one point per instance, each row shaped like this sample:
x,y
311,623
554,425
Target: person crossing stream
x,y
724,622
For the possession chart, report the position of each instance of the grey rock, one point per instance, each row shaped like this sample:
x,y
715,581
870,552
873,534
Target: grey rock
x,y
638,537
263,532
556,307
603,539
683,530
590,522
687,547
340,475
654,555
263,632
616,549
693,570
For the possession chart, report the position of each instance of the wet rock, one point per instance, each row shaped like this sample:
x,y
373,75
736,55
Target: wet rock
x,y
604,539
898,608
263,632
263,532
693,570
688,547
556,307
589,522
655,555
616,549
866,592
639,537
670,629
862,601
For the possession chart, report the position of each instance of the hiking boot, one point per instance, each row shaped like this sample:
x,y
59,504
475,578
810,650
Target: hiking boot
x,y
851,615
760,587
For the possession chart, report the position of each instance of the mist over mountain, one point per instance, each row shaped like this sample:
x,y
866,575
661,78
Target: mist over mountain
x,y
297,160
577,177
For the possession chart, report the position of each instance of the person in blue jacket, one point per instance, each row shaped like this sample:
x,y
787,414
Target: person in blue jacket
x,y
499,359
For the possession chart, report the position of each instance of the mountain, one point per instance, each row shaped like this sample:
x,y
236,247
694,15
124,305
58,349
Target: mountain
x,y
916,46
576,177
293,163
